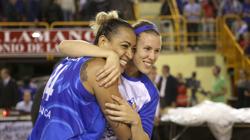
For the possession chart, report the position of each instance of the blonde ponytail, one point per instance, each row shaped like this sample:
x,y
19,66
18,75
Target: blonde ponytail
x,y
103,17
107,24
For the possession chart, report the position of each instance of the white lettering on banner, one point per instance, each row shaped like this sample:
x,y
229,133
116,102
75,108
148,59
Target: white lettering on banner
x,y
88,36
58,37
44,37
45,112
25,37
35,48
6,36
21,42
75,35
11,48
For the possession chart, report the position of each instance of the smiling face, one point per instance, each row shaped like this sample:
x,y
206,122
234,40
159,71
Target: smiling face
x,y
122,42
147,51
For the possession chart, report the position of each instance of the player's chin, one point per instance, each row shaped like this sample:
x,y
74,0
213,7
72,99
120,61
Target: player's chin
x,y
122,69
145,70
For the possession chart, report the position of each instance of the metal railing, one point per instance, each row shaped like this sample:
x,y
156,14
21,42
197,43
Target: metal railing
x,y
173,30
228,46
24,25
71,24
172,37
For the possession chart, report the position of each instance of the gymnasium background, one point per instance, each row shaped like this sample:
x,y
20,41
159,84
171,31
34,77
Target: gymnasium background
x,y
218,34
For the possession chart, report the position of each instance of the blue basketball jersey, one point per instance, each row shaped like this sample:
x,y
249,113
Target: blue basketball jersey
x,y
143,93
68,110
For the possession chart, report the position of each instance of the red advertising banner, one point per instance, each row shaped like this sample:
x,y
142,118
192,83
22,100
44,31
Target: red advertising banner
x,y
38,43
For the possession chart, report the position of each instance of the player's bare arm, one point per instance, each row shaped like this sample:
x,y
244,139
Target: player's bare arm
x,y
103,95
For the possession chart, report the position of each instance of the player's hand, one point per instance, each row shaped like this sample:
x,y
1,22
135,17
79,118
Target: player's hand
x,y
122,112
110,72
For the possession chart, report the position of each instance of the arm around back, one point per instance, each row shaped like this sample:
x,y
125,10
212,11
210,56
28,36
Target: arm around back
x,y
103,95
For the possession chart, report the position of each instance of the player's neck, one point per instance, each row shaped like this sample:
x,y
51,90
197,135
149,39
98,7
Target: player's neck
x,y
131,70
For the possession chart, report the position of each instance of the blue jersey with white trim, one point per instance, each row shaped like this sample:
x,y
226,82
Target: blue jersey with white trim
x,y
68,110
143,93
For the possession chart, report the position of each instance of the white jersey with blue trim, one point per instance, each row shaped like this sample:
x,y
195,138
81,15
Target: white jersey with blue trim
x,y
142,92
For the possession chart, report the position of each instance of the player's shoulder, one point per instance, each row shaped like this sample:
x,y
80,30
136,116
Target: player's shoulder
x,y
95,63
91,67
151,87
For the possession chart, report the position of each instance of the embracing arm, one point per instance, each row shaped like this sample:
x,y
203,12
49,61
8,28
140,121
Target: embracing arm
x,y
123,112
78,48
138,133
103,95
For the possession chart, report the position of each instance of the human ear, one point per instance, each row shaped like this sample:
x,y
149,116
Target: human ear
x,y
102,41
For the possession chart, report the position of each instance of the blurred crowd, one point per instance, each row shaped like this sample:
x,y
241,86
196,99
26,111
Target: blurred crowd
x,y
201,16
62,10
16,95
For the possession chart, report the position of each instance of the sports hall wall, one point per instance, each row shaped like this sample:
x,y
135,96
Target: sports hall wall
x,y
185,63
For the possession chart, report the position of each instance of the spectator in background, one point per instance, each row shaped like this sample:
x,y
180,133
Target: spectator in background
x,y
194,85
8,90
244,40
26,104
245,43
68,8
241,86
44,4
208,18
31,10
125,8
247,48
192,12
1,9
180,5
216,4
165,9
14,11
149,0
89,8
246,12
182,98
228,7
239,27
247,95
218,86
168,88
86,12
54,12
153,75
26,86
